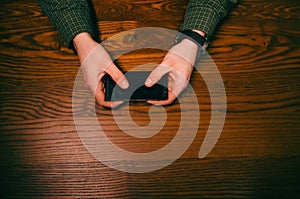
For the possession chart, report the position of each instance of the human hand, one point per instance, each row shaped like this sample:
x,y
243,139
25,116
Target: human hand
x,y
179,63
95,63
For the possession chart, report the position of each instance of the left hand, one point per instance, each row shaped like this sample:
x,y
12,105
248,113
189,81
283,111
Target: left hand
x,y
95,63
179,63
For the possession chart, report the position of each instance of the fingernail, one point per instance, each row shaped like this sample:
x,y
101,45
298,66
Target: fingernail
x,y
124,84
148,81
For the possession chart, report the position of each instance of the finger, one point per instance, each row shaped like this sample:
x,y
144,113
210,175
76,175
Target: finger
x,y
157,74
100,97
170,99
117,76
177,82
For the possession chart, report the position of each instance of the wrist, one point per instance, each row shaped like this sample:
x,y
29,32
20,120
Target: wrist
x,y
203,34
189,44
83,44
197,36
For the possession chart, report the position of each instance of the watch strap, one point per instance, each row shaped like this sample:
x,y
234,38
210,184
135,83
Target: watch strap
x,y
193,36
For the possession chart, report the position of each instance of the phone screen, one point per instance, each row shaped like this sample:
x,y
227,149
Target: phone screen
x,y
137,91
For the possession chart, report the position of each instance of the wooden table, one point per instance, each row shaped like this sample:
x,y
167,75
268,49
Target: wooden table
x,y
256,49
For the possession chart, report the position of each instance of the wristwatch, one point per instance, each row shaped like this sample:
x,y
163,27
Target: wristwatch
x,y
202,42
193,36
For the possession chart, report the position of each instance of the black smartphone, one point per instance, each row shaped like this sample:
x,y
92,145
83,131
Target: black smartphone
x,y
137,91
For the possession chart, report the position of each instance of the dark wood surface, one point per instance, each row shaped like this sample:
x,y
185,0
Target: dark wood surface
x,y
256,49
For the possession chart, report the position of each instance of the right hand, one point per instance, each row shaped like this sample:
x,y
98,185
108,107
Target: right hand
x,y
95,63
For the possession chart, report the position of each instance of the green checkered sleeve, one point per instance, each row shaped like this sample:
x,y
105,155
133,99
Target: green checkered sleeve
x,y
70,17
205,15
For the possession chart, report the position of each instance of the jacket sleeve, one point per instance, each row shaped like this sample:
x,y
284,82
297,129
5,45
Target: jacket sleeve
x,y
205,15
70,17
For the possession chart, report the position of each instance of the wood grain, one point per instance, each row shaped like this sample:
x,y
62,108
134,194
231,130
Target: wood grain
x,y
256,49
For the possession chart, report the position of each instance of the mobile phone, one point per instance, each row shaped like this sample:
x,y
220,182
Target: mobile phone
x,y
137,91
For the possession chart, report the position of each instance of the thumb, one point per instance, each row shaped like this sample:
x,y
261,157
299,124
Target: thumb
x,y
117,76
157,74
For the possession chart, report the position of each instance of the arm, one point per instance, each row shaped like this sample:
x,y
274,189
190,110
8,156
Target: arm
x,y
205,15
202,17
73,20
69,17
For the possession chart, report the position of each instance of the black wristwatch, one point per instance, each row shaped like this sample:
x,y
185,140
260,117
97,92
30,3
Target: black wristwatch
x,y
202,42
193,36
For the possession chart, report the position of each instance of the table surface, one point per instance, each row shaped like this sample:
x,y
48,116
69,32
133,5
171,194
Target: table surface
x,y
256,49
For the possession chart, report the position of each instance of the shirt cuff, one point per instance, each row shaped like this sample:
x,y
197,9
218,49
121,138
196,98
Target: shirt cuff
x,y
205,15
70,28
70,17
